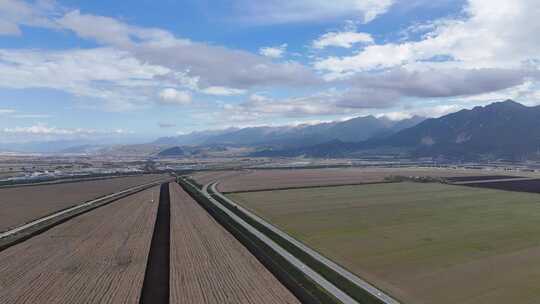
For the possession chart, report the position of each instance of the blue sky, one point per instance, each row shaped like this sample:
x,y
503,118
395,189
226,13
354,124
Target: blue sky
x,y
129,71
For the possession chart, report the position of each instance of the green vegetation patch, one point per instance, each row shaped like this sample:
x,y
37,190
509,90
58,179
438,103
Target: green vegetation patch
x,y
423,243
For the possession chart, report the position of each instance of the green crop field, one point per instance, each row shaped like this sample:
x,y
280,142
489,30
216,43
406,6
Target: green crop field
x,y
422,243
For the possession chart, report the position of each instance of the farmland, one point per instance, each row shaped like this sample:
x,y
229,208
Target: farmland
x,y
205,177
272,179
208,265
532,185
423,243
19,205
98,257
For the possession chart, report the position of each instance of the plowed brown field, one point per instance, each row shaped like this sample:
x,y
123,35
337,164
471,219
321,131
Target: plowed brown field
x,y
205,177
21,205
208,265
273,179
98,257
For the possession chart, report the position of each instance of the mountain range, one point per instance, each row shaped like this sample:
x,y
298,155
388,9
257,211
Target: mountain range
x,y
501,130
353,130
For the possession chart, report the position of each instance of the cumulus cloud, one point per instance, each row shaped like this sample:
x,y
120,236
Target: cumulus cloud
x,y
342,39
15,13
274,52
500,34
46,130
449,82
223,91
331,102
43,132
120,81
390,89
212,65
173,96
134,63
288,11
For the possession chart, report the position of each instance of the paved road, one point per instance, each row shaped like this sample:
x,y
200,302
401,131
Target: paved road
x,y
74,208
328,286
342,271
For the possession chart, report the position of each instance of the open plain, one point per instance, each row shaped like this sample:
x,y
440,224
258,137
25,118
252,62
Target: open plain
x,y
422,243
19,205
208,265
98,257
252,180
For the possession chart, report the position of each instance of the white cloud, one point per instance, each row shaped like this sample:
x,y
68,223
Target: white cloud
x,y
9,28
114,78
6,111
342,39
173,96
31,116
499,34
108,30
43,133
14,114
211,65
259,106
274,52
223,91
46,130
134,63
287,11
14,13
395,116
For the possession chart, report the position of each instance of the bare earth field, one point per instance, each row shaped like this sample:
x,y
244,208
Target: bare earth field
x,y
272,179
423,243
532,185
98,257
208,265
205,177
20,205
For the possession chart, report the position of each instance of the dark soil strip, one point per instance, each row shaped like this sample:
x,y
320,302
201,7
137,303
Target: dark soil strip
x,y
156,279
532,185
456,179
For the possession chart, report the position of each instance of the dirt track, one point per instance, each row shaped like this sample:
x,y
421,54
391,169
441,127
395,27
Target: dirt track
x,y
23,204
98,257
208,265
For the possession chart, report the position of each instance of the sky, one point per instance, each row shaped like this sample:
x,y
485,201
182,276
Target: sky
x,y
131,71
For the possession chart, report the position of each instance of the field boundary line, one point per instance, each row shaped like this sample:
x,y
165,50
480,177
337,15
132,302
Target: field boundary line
x,y
361,283
62,181
307,187
329,287
35,227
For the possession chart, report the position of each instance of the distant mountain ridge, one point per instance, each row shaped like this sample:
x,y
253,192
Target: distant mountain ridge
x,y
172,152
505,129
352,130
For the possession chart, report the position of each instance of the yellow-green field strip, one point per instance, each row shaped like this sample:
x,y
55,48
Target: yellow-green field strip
x,y
375,292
